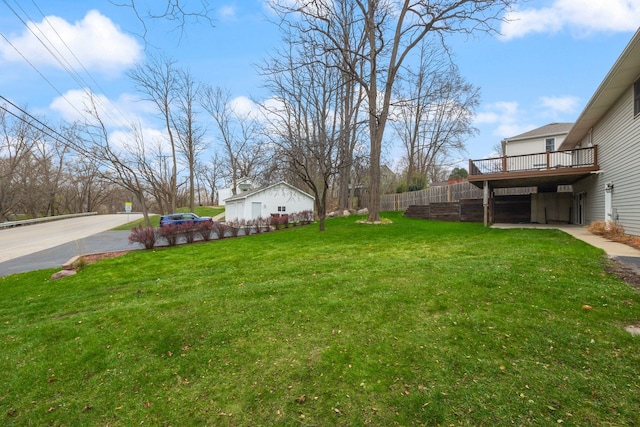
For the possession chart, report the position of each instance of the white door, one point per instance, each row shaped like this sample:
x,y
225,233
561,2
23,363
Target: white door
x,y
256,210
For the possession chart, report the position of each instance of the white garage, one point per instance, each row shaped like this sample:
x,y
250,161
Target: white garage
x,y
280,198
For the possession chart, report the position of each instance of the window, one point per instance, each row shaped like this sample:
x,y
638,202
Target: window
x,y
550,144
636,98
282,208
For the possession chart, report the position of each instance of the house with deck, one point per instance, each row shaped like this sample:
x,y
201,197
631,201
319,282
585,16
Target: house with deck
x,y
595,163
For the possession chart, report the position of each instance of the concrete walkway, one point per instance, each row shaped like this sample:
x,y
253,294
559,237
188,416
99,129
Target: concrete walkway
x,y
619,251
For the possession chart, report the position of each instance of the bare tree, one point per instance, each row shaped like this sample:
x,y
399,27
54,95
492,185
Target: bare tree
x,y
49,155
125,166
305,118
391,29
157,81
179,13
190,134
86,190
211,174
432,114
15,151
239,134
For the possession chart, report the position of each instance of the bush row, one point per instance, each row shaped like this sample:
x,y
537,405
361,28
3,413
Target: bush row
x,y
612,230
149,237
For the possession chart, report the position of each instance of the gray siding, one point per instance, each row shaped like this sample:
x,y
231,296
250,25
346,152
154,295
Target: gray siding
x,y
618,138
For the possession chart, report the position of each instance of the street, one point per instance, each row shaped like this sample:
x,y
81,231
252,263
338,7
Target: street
x,y
28,239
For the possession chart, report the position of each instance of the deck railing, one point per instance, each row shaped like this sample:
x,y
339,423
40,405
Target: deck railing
x,y
578,158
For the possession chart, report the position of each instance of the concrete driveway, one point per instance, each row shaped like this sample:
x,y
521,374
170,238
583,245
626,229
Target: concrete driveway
x,y
51,244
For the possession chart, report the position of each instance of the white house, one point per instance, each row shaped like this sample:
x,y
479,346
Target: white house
x,y
598,157
280,198
611,123
540,140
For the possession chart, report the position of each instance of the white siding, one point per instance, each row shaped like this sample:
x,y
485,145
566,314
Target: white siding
x,y
618,138
278,195
532,146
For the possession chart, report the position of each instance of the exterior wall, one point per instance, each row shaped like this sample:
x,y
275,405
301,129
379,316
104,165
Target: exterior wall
x,y
537,146
224,194
551,208
270,198
531,146
232,209
618,138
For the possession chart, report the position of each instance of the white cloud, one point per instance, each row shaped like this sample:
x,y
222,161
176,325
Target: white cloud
x,y
498,112
554,105
245,107
96,41
155,141
227,13
504,118
73,105
578,16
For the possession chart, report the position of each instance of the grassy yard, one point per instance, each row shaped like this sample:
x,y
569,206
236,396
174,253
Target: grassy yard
x,y
412,323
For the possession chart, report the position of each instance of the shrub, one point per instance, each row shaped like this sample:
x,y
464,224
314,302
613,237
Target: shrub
x,y
258,222
146,236
233,229
187,231
610,230
279,222
306,217
170,234
220,228
246,225
204,229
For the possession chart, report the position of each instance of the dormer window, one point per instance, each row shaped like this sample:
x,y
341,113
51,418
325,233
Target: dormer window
x,y
636,98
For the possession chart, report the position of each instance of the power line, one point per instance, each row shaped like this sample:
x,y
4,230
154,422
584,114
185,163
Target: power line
x,y
48,130
60,58
40,73
107,111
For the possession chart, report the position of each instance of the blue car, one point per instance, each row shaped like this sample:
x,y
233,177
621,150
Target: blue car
x,y
183,218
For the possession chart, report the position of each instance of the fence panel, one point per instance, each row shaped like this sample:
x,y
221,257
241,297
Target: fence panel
x,y
441,194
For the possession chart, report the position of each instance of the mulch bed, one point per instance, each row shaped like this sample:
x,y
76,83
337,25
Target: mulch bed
x,y
89,259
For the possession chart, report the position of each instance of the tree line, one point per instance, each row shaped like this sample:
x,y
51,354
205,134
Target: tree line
x,y
351,80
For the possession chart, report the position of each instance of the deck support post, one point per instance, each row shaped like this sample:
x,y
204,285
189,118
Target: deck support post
x,y
485,202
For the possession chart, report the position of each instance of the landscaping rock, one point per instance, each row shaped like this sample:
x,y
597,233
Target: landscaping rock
x,y
70,265
62,273
346,213
633,329
364,211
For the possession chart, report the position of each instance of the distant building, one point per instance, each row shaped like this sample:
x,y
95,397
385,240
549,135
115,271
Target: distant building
x,y
243,185
280,198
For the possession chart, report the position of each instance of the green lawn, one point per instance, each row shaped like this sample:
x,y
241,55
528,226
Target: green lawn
x,y
412,323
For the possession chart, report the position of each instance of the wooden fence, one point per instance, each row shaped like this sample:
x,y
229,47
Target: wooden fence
x,y
466,210
442,194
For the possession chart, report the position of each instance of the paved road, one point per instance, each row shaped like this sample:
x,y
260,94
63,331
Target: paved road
x,y
51,244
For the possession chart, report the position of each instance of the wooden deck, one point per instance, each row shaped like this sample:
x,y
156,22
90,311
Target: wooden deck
x,y
543,170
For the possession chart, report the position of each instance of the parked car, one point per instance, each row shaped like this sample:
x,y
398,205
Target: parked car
x,y
182,218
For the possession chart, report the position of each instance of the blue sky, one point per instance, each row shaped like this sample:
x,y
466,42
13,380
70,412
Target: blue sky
x,y
545,66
